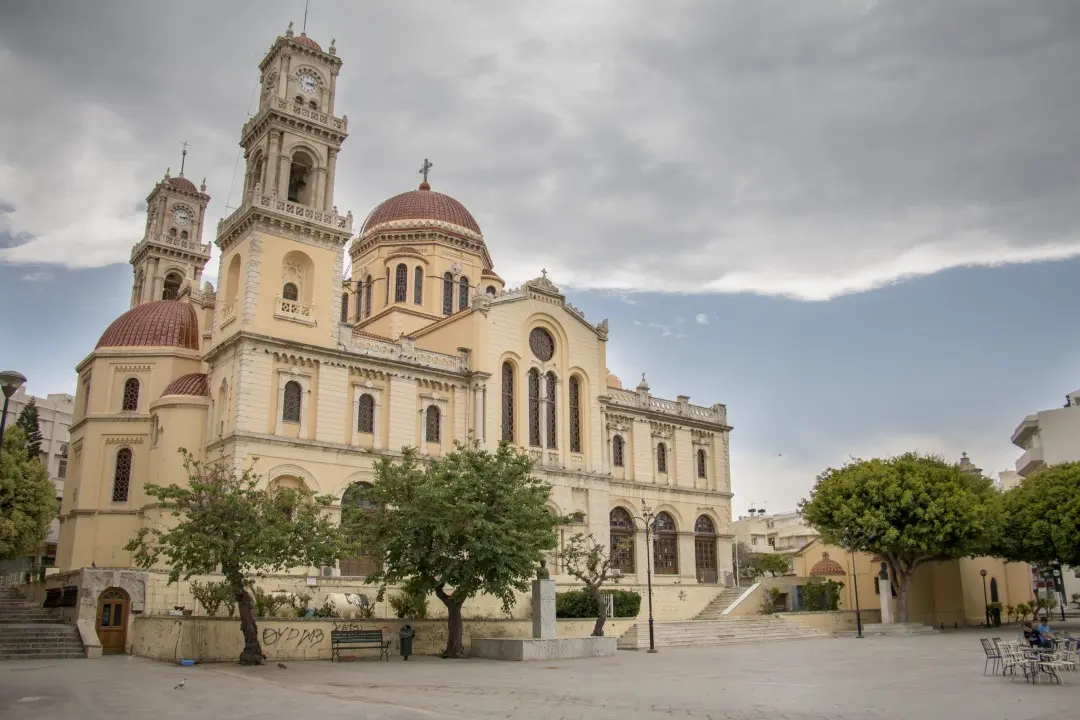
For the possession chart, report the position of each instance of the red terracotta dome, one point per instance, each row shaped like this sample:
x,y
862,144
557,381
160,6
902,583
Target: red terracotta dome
x,y
422,204
303,39
826,566
164,323
190,384
183,183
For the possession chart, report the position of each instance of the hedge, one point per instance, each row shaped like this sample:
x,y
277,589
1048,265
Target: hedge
x,y
579,604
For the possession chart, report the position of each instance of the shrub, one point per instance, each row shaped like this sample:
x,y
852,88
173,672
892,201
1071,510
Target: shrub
x,y
770,603
579,604
299,603
409,604
212,595
327,610
266,604
822,597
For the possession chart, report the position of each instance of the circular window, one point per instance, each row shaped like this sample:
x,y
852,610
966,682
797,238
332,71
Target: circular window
x,y
542,344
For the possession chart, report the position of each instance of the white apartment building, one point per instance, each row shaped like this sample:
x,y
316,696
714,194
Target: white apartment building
x,y
54,421
783,533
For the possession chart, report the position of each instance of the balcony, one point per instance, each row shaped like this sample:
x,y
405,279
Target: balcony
x,y
1025,430
289,209
1030,461
294,310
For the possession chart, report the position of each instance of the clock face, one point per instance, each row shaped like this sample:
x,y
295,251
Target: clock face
x,y
307,83
181,216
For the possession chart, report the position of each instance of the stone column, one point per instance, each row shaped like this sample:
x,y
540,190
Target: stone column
x,y
273,163
319,197
331,170
478,414
543,419
333,94
543,608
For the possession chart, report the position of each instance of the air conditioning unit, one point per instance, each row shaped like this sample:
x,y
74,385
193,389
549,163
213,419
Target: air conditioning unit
x,y
328,571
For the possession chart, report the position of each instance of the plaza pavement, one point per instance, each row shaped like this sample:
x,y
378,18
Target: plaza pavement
x,y
935,676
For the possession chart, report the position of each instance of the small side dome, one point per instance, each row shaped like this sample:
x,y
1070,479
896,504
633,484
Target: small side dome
x,y
190,384
164,323
826,567
183,183
613,380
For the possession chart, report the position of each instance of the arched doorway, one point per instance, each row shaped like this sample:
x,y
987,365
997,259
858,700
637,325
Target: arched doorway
x,y
705,549
665,545
354,505
112,614
994,590
622,540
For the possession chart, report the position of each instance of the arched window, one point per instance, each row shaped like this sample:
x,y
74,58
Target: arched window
x,y
463,294
665,545
418,285
359,300
490,290
290,404
367,296
300,177
661,458
289,291
994,590
552,434
299,100
122,476
447,294
131,395
622,540
534,407
344,307
401,282
365,414
183,235
508,402
702,466
354,506
172,286
172,232
617,451
387,287
432,426
312,105
705,549
575,414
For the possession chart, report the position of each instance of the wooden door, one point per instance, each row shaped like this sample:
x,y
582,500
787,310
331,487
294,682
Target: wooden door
x,y
705,558
112,615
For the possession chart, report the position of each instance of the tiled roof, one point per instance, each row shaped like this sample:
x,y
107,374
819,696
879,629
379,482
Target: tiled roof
x,y
304,40
183,183
190,384
826,566
422,204
164,323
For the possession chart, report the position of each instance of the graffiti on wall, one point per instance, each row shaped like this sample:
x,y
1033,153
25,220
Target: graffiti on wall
x,y
292,637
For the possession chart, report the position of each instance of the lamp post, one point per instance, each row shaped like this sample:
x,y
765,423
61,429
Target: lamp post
x,y
10,381
986,603
855,583
648,518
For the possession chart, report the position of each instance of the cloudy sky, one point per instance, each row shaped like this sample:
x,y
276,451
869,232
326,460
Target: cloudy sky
x,y
854,222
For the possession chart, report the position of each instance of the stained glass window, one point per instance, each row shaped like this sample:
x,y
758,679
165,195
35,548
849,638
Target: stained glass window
x,y
122,476
542,344
534,407
622,540
617,451
661,458
365,415
131,395
432,430
508,402
665,546
575,413
367,296
290,292
447,294
463,294
552,433
418,285
702,468
401,281
290,404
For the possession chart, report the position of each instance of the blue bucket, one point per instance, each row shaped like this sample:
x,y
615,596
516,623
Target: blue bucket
x,y
187,663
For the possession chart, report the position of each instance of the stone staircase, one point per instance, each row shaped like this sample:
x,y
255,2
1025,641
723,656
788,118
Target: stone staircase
x,y
715,609
29,632
721,631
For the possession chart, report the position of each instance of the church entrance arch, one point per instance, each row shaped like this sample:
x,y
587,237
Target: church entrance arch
x,y
112,615
705,549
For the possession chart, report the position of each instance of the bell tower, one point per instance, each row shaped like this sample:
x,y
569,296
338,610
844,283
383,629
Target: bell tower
x,y
281,250
171,250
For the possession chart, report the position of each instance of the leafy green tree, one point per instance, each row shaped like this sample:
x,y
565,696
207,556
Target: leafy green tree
x,y
469,523
27,498
753,564
224,520
910,509
590,562
1040,518
28,422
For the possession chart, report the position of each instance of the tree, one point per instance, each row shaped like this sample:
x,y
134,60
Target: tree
x,y
910,509
590,562
224,520
28,422
27,498
753,564
1040,518
468,523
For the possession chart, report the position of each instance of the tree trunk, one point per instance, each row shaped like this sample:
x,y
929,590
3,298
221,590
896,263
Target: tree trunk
x,y
252,654
902,599
601,612
455,648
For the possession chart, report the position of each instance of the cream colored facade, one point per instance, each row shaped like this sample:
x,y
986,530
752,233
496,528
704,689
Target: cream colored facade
x,y
783,533
1049,437
314,375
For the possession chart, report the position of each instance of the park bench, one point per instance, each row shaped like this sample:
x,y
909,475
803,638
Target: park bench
x,y
359,639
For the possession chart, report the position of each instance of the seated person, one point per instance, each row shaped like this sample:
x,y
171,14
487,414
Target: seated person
x,y
1032,635
1047,635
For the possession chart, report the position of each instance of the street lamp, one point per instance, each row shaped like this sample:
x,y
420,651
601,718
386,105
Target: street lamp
x,y
10,381
648,518
986,603
855,583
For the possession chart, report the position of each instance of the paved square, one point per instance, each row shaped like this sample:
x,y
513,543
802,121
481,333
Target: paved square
x,y
937,676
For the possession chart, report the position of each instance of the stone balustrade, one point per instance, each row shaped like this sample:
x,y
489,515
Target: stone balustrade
x,y
330,220
193,246
405,351
294,310
626,398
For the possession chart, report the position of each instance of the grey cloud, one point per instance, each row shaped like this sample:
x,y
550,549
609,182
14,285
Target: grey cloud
x,y
807,149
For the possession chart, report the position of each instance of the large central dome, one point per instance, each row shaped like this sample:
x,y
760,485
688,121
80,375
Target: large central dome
x,y
421,205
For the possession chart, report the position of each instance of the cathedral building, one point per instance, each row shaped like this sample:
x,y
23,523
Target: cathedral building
x,y
317,373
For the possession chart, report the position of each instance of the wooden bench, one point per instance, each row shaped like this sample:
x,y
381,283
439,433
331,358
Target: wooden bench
x,y
359,639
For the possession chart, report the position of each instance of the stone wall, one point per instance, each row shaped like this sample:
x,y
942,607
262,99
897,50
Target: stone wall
x,y
831,622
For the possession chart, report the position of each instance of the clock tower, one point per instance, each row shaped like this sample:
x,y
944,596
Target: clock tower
x,y
171,250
